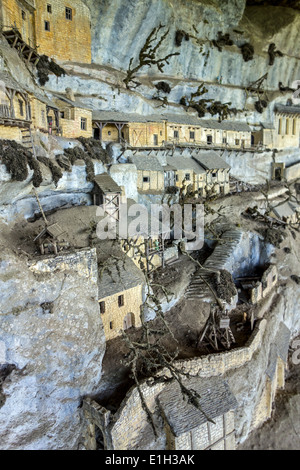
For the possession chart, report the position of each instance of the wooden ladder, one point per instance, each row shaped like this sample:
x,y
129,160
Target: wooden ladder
x,y
27,140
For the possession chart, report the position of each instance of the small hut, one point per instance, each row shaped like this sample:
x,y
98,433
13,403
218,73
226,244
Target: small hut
x,y
106,192
50,239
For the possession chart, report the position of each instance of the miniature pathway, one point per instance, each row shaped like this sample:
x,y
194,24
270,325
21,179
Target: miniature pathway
x,y
220,259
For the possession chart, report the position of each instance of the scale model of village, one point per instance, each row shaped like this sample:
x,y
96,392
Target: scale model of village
x,y
148,341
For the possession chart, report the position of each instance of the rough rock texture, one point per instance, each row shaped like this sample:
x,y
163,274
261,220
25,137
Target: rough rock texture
x,y
51,332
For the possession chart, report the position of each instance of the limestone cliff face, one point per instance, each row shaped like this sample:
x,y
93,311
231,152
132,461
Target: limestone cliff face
x,y
52,342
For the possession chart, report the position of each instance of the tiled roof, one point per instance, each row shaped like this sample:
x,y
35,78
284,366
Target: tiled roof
x,y
216,399
281,108
146,163
211,161
107,184
114,116
74,104
185,163
118,277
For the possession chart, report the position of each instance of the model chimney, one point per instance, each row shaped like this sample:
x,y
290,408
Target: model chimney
x,y
70,94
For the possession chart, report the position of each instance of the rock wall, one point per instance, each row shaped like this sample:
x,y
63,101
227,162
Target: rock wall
x,y
52,337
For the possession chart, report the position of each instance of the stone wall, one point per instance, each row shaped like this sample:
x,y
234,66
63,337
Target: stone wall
x,y
114,315
71,128
67,40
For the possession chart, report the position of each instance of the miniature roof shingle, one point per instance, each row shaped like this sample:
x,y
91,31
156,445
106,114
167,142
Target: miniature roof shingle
x,y
211,161
53,230
280,348
281,108
185,163
74,104
286,209
216,400
146,163
107,184
116,276
10,82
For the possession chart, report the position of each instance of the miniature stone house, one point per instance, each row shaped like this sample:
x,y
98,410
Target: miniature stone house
x,y
106,192
60,29
265,136
190,130
287,125
188,428
120,298
217,171
150,174
75,117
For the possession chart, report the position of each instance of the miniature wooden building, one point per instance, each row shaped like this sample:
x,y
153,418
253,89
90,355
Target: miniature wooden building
x,y
120,298
287,124
187,427
150,173
50,240
59,29
106,192
75,117
132,129
217,171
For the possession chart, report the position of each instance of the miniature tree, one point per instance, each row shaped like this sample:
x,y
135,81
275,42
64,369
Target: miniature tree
x,y
148,56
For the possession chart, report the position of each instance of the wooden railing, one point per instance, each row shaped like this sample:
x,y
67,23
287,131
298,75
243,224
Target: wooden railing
x,y
5,111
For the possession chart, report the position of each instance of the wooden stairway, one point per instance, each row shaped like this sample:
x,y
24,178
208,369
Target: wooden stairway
x,y
27,140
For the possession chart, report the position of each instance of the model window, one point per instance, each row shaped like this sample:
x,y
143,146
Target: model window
x,y
214,175
176,134
279,126
176,178
187,177
224,140
68,13
111,326
83,124
146,179
62,114
287,129
121,300
192,135
23,15
102,307
47,25
21,107
209,139
49,8
294,126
